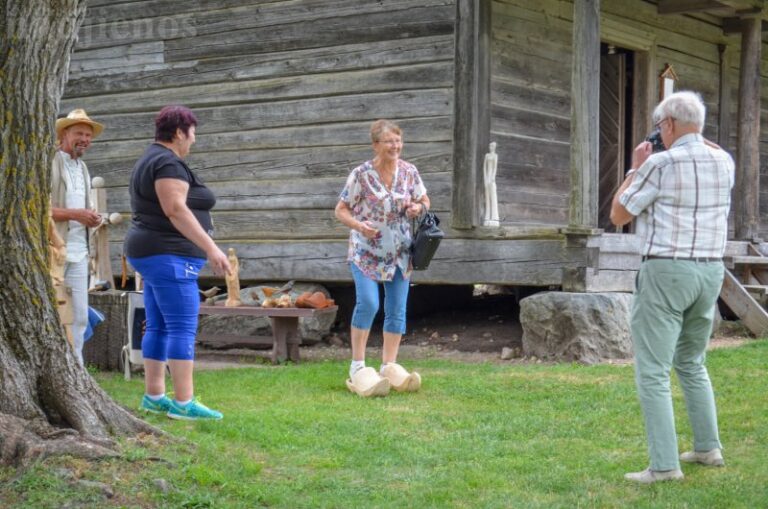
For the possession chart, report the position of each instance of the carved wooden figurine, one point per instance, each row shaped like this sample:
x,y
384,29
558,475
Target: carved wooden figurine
x,y
491,215
233,280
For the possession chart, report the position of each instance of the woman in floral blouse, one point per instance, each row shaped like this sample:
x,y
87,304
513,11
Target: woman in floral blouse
x,y
379,200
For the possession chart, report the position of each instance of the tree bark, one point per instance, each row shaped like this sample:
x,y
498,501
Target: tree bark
x,y
48,403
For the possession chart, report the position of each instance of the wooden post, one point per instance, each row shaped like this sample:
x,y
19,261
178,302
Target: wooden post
x,y
101,264
466,111
585,88
724,113
748,164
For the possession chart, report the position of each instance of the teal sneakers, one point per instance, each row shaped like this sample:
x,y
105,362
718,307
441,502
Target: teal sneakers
x,y
192,411
161,406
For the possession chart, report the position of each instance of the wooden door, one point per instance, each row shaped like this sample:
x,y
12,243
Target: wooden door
x,y
613,76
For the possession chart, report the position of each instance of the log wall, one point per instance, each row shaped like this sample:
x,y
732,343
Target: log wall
x,y
285,93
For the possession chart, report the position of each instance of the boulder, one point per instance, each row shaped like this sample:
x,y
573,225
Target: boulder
x,y
311,329
580,327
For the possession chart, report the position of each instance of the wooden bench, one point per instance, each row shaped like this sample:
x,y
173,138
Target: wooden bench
x,y
285,326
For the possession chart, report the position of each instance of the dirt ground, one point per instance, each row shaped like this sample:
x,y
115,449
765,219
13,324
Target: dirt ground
x,y
476,332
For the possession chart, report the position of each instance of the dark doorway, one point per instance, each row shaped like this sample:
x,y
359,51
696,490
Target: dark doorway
x,y
616,66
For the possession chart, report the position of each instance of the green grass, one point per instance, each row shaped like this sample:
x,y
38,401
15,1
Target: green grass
x,y
477,435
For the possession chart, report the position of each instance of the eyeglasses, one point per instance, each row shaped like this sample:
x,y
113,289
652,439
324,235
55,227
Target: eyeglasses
x,y
390,142
657,125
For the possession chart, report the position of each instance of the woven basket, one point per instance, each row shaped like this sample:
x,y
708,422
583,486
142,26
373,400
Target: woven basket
x,y
109,337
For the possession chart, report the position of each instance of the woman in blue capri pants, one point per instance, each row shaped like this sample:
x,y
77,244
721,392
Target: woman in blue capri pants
x,y
380,198
168,243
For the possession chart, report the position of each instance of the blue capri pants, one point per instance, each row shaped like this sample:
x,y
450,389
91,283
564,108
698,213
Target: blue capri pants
x,y
367,301
171,303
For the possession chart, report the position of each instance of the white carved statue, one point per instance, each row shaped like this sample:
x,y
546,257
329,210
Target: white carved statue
x,y
491,215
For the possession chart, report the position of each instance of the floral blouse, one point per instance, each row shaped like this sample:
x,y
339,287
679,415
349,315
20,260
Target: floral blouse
x,y
370,200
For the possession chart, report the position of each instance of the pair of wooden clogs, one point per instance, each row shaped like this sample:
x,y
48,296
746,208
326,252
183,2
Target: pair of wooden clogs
x,y
367,382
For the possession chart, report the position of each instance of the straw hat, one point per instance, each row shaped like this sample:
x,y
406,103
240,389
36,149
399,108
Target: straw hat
x,y
77,116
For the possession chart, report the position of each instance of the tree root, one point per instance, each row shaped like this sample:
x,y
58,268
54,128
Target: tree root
x,y
20,447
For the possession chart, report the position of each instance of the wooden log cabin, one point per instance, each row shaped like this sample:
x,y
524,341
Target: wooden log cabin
x,y
285,91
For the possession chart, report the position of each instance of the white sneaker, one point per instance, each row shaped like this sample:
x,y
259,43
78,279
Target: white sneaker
x,y
713,458
649,476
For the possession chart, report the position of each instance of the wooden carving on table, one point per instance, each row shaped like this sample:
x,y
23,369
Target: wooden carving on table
x,y
233,280
57,249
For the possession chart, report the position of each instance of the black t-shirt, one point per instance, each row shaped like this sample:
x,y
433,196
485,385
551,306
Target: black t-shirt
x,y
151,232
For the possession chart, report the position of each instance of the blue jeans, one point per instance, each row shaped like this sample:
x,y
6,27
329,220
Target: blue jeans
x,y
172,303
367,301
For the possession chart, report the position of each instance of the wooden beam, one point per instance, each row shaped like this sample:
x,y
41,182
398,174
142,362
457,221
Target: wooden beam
x,y
688,6
735,25
747,216
724,108
465,114
483,98
585,89
749,311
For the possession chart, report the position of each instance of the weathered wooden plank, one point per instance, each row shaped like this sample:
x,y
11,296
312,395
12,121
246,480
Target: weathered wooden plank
x,y
585,84
610,280
531,70
542,34
314,32
619,261
747,217
617,243
119,58
466,114
535,124
217,20
457,261
421,76
724,113
520,149
434,129
334,59
281,194
412,103
513,95
288,164
749,311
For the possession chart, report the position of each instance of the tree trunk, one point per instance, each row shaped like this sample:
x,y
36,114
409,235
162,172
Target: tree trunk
x,y
48,403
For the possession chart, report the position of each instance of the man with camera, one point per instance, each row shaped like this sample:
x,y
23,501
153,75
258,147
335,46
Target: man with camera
x,y
681,198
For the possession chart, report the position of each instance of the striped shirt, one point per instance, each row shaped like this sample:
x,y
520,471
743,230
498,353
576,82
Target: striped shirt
x,y
681,198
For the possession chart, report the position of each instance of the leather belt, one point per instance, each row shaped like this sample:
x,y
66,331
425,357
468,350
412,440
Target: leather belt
x,y
698,259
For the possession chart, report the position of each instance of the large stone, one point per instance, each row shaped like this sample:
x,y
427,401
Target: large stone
x,y
311,329
581,327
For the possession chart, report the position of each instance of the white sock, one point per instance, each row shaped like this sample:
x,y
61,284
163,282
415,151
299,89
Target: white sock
x,y
155,398
182,403
355,367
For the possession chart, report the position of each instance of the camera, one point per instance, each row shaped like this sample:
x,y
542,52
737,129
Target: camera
x,y
655,140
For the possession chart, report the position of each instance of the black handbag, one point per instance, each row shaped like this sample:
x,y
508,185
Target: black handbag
x,y
426,239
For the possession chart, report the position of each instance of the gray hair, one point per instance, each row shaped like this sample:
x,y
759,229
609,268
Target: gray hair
x,y
686,107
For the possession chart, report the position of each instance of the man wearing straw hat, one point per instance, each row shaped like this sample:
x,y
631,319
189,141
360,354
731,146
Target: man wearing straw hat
x,y
71,210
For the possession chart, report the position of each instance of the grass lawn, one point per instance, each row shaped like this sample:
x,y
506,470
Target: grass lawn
x,y
478,435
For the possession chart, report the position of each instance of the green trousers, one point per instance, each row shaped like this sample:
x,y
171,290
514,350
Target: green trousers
x,y
671,324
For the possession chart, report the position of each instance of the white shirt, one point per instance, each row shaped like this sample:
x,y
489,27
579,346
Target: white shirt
x,y
77,242
681,198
